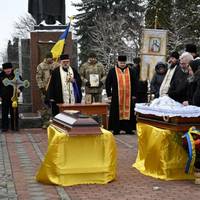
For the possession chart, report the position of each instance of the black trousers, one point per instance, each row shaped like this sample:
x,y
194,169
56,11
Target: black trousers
x,y
6,110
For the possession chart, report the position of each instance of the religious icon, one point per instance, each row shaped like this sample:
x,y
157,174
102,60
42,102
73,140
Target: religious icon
x,y
154,45
94,80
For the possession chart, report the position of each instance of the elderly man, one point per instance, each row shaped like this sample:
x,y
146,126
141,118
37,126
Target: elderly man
x,y
178,85
121,89
64,85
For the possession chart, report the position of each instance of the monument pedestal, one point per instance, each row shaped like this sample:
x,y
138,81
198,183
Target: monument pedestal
x,y
41,43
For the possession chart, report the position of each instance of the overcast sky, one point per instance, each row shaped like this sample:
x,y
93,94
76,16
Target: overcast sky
x,y
10,12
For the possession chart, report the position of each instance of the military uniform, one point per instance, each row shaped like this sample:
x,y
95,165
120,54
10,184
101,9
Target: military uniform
x,y
85,71
43,75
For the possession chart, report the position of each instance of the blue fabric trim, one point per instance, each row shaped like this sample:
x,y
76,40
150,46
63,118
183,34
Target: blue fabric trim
x,y
187,167
64,35
76,92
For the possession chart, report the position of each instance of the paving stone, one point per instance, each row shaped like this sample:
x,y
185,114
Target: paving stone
x,y
21,154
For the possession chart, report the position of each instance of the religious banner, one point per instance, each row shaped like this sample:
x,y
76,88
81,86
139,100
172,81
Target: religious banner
x,y
154,49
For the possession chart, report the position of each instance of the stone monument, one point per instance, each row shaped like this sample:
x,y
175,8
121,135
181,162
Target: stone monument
x,y
44,36
47,10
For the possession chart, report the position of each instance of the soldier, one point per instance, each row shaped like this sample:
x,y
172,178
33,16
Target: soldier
x,y
43,74
93,76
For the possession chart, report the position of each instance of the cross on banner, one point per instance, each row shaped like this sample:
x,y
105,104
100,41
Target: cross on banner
x,y
16,83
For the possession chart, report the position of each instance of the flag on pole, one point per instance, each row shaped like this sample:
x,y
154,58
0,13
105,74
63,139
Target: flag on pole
x,y
57,49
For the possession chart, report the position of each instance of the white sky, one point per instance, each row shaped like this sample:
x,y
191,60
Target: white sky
x,y
10,12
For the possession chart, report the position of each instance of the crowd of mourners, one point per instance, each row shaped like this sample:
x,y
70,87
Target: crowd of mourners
x,y
179,78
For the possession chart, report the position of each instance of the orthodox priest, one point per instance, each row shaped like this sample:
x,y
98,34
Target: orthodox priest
x,y
64,85
121,89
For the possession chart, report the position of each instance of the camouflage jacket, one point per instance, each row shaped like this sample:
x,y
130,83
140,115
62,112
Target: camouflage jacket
x,y
43,73
86,69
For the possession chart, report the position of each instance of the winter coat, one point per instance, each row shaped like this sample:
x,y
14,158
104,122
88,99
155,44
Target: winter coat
x,y
86,69
157,79
43,74
193,89
178,85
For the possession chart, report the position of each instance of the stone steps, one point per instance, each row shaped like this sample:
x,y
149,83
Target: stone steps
x,y
29,120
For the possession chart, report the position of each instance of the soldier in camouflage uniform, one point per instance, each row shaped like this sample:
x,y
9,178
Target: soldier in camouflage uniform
x,y
93,68
43,74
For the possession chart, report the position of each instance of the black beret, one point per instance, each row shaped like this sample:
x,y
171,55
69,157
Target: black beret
x,y
7,65
64,57
174,54
191,48
122,58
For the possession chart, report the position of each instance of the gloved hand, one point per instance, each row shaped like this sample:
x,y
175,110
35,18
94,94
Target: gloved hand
x,y
87,84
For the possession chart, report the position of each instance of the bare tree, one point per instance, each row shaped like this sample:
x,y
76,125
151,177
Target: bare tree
x,y
110,37
24,26
3,55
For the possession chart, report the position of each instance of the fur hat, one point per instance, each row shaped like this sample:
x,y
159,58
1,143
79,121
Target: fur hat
x,y
195,64
122,58
175,54
64,57
191,48
7,65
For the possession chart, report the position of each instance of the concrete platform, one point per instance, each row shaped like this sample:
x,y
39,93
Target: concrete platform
x,y
29,120
21,154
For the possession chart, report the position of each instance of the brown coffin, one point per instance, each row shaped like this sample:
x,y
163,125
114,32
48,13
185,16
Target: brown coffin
x,y
77,124
170,123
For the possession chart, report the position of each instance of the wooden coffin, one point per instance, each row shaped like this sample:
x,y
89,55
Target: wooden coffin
x,y
76,124
170,123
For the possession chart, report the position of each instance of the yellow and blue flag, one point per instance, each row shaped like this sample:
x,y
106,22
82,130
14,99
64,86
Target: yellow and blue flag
x,y
57,49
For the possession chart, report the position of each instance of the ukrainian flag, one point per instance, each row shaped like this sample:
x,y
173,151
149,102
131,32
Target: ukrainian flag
x,y
59,46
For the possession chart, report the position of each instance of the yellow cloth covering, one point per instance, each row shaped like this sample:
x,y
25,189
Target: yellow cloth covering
x,y
78,159
159,153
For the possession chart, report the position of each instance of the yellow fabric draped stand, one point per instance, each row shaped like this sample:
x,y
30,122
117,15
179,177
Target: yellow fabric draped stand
x,y
160,155
78,159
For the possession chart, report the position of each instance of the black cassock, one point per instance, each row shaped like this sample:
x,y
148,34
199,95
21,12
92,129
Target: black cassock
x,y
54,91
112,91
6,93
